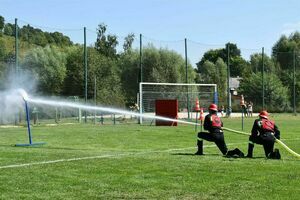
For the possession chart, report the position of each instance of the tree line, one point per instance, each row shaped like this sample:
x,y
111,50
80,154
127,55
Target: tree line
x,y
277,76
55,63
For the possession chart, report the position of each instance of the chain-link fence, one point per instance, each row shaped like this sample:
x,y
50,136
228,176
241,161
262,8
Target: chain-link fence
x,y
267,78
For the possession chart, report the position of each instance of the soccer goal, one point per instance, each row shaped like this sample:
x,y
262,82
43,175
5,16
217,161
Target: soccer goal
x,y
185,94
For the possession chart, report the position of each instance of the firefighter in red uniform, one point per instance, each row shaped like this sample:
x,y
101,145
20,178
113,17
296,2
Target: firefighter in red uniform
x,y
264,132
213,124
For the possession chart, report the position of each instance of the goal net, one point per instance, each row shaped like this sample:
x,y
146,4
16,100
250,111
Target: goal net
x,y
185,94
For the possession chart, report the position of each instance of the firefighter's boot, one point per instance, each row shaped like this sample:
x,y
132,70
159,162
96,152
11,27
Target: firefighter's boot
x,y
250,150
200,147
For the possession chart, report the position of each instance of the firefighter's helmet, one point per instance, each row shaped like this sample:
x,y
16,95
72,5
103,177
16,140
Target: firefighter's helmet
x,y
264,114
213,107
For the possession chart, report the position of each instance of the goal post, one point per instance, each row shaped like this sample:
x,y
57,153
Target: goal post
x,y
185,93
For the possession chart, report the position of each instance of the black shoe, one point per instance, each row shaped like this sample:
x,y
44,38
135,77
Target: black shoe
x,y
229,153
198,153
236,153
275,154
239,153
249,156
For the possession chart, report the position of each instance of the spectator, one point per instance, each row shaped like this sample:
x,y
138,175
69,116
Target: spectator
x,y
250,109
243,105
222,110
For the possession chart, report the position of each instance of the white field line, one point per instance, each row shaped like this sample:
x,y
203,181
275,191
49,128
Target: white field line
x,y
291,139
104,156
113,155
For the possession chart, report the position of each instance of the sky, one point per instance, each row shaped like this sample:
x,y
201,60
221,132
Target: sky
x,y
251,24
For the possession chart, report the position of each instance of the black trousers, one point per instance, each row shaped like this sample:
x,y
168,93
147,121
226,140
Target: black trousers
x,y
267,140
217,138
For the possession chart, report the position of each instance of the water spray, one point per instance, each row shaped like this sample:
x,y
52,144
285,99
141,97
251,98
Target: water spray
x,y
105,109
113,110
25,98
23,94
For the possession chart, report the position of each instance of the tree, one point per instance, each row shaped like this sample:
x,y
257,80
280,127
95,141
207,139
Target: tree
x,y
6,62
221,79
104,69
238,66
107,74
285,53
234,51
212,56
256,63
159,65
9,29
74,81
59,39
287,79
1,23
215,73
106,45
283,50
48,67
38,37
127,46
208,72
163,65
276,94
129,66
2,50
2,63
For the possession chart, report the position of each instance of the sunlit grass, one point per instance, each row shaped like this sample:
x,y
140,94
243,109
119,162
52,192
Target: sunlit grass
x,y
144,162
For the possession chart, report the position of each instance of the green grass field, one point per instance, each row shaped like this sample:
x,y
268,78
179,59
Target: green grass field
x,y
143,162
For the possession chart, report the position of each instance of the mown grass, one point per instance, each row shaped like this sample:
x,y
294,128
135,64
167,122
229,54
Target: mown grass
x,y
144,162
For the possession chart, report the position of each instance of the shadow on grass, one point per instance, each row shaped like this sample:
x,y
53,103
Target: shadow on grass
x,y
259,157
234,158
7,145
193,154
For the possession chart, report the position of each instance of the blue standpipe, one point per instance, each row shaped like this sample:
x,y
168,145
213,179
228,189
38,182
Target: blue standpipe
x,y
28,123
28,129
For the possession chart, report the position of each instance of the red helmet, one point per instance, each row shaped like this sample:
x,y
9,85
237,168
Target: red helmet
x,y
213,107
264,114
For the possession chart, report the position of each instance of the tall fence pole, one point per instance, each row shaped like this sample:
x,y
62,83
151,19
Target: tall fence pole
x,y
141,78
95,98
141,58
16,48
294,82
228,81
85,74
263,78
186,78
18,115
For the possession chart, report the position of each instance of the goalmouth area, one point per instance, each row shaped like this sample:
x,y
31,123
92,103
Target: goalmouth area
x,y
185,93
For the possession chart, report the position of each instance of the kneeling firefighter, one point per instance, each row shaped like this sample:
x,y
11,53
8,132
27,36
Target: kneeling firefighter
x,y
264,132
213,124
